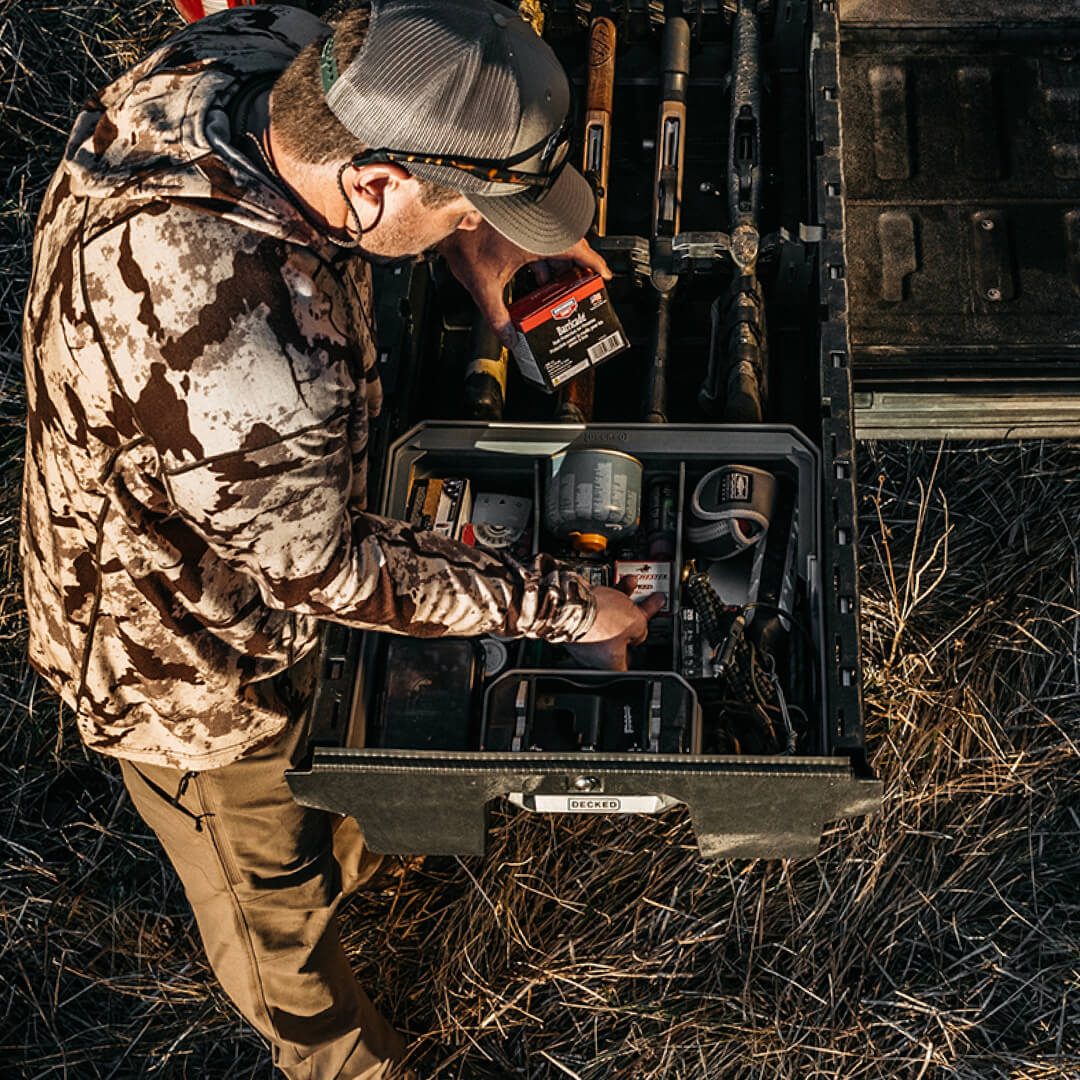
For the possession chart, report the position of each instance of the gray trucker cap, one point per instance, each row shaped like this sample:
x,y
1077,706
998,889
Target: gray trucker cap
x,y
470,79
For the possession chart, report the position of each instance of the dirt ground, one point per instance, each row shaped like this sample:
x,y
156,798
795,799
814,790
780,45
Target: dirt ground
x,y
939,938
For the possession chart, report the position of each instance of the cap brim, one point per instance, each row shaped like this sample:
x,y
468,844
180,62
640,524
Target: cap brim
x,y
545,226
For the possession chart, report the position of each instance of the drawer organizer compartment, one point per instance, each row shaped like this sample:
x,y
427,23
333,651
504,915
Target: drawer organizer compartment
x,y
723,708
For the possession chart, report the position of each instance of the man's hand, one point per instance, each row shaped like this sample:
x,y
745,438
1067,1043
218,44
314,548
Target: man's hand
x,y
619,623
484,261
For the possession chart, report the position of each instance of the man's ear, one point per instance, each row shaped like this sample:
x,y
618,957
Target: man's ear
x,y
372,183
472,220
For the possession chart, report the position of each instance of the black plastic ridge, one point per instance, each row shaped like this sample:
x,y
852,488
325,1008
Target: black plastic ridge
x,y
840,583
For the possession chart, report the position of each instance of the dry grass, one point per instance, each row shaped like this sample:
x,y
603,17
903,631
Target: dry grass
x,y
937,939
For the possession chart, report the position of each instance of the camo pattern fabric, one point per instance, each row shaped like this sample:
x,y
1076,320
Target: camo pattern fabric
x,y
199,369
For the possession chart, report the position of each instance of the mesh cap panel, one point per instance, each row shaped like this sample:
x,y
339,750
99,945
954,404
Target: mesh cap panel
x,y
466,78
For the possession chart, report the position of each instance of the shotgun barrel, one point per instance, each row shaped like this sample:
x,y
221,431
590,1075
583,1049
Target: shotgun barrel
x,y
667,201
656,392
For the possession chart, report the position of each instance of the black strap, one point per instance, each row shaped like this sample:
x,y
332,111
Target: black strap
x,y
174,800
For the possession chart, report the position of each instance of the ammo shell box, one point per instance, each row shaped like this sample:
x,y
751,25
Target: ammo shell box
x,y
564,329
869,208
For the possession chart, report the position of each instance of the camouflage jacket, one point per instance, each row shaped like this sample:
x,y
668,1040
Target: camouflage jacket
x,y
199,379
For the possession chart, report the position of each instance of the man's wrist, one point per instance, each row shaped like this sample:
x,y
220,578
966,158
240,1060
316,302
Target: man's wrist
x,y
588,619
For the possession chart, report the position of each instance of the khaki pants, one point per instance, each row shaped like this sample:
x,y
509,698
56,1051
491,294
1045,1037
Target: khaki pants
x,y
261,876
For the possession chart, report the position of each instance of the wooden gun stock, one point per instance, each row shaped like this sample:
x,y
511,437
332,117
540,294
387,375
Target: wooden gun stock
x,y
577,400
598,100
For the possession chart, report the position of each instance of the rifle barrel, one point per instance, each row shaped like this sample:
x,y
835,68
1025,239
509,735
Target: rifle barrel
x,y
656,395
736,383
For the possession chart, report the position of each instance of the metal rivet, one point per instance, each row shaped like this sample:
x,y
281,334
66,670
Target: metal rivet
x,y
993,294
585,783
986,223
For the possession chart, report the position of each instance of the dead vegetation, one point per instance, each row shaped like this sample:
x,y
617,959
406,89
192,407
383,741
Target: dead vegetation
x,y
936,939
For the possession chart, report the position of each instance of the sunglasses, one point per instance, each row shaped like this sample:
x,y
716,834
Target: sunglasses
x,y
552,153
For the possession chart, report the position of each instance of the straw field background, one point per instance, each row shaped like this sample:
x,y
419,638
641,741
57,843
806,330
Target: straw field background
x,y
937,939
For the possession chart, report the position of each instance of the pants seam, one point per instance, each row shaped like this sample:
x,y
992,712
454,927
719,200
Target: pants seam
x,y
230,873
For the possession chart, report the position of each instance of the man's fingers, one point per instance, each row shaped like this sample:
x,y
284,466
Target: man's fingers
x,y
584,255
648,607
487,294
489,299
484,261
507,333
651,605
501,324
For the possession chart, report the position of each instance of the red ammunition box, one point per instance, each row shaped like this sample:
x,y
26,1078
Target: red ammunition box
x,y
565,328
652,577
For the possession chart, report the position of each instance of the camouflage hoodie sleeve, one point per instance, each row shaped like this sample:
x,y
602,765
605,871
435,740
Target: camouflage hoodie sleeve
x,y
238,354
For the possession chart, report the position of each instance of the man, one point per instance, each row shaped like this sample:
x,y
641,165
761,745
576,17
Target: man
x,y
198,348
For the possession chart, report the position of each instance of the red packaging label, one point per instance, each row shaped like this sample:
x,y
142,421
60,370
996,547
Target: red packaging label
x,y
564,328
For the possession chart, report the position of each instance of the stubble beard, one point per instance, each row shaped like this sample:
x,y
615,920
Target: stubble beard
x,y
405,239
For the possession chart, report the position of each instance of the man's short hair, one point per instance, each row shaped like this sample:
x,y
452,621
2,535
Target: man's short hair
x,y
302,119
